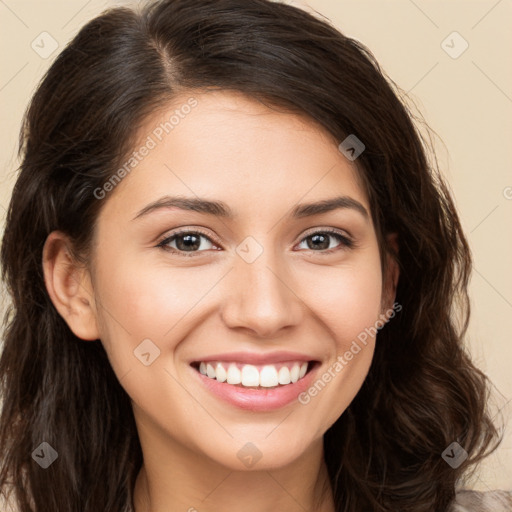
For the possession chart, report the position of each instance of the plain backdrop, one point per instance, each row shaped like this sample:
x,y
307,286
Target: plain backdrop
x,y
453,58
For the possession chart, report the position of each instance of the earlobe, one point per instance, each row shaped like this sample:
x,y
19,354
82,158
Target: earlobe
x,y
69,286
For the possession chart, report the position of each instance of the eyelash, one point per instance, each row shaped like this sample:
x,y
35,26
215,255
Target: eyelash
x,y
346,242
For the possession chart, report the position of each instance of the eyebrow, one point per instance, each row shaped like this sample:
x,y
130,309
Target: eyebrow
x,y
221,209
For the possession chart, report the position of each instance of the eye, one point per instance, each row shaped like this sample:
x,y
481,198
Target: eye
x,y
185,241
321,240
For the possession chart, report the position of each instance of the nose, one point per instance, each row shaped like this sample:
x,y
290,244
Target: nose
x,y
261,297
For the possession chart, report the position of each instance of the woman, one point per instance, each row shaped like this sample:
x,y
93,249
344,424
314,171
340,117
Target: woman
x,y
237,280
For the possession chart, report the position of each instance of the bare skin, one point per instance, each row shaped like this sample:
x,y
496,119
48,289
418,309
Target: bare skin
x,y
293,296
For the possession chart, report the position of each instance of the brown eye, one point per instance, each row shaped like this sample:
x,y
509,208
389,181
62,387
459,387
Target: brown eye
x,y
319,241
185,242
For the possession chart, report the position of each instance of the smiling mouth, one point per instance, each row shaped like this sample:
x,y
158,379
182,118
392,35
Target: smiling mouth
x,y
250,376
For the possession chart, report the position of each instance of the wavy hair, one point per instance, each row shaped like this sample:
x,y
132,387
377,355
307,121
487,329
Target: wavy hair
x,y
422,392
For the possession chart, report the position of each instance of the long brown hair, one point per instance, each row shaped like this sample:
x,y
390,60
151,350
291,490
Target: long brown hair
x,y
422,392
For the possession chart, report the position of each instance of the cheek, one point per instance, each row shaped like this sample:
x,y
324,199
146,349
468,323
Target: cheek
x,y
149,300
347,299
143,310
140,301
348,304
127,306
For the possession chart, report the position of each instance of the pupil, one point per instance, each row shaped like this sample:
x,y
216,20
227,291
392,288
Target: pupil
x,y
188,242
325,241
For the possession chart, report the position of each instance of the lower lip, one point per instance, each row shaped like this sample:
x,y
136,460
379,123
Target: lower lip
x,y
258,399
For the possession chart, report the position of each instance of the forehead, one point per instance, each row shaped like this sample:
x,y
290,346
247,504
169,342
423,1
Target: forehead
x,y
227,146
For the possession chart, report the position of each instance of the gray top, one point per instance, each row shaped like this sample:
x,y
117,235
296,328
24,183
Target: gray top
x,y
490,501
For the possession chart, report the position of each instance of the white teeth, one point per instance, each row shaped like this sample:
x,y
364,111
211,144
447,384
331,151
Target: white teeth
x,y
294,373
250,376
284,375
210,371
268,377
220,373
234,375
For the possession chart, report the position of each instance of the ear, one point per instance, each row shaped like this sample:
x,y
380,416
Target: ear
x,y
69,286
390,281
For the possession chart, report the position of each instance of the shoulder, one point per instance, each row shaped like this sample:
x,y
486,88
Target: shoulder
x,y
474,501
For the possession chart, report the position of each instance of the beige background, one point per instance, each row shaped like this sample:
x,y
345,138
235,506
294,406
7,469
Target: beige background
x,y
466,100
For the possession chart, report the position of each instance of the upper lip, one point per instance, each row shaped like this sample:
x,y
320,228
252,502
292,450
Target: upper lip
x,y
256,358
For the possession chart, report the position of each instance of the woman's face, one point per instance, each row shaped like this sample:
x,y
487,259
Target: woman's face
x,y
266,286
